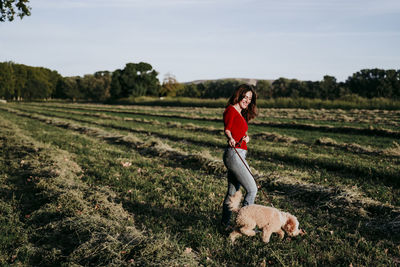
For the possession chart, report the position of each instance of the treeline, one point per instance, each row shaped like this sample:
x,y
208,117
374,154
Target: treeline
x,y
18,82
367,83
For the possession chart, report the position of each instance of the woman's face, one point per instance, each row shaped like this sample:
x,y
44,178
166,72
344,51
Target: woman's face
x,y
244,103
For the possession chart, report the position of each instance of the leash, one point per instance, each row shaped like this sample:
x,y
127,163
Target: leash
x,y
244,163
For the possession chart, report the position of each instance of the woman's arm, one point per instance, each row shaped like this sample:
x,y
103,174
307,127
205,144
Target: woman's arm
x,y
246,138
231,141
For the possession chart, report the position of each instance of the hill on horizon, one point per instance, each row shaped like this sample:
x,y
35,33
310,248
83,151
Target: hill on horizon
x,y
251,81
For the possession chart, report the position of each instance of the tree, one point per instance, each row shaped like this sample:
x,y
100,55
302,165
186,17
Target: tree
x,y
294,88
101,88
264,89
11,8
20,72
135,80
95,87
71,88
7,80
219,88
280,88
85,85
60,90
37,85
189,90
131,86
116,87
373,83
390,85
170,86
395,80
329,88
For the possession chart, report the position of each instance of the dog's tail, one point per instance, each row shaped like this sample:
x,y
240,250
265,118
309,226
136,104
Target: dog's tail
x,y
234,201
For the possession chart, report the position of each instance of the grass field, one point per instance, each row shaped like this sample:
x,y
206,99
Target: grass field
x,y
104,185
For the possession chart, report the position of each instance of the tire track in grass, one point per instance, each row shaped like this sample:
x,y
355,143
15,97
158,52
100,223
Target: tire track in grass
x,y
379,174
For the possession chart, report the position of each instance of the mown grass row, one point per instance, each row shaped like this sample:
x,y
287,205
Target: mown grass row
x,y
319,117
296,155
188,125
377,191
366,117
380,117
291,113
353,147
172,212
350,103
368,129
180,156
338,236
49,217
356,148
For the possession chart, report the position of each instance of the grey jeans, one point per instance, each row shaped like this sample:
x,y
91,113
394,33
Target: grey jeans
x,y
238,175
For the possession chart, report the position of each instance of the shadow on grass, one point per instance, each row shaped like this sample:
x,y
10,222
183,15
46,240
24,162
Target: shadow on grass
x,y
389,177
371,219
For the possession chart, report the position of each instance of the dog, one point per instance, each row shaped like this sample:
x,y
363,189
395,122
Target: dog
x,y
270,220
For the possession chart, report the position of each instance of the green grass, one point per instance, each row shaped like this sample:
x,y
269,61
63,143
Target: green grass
x,y
349,103
349,170
175,194
339,160
66,221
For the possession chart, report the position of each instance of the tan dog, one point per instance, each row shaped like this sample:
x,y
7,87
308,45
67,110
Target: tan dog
x,y
269,219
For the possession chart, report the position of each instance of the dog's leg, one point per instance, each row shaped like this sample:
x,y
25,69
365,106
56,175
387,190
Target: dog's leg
x,y
281,234
235,234
266,235
248,230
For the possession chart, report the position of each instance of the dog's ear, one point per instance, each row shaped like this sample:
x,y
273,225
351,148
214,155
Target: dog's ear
x,y
291,223
234,201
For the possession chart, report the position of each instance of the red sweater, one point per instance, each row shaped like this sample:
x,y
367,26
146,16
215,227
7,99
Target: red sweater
x,y
234,122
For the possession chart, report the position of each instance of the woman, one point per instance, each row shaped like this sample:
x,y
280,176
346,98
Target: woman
x,y
240,110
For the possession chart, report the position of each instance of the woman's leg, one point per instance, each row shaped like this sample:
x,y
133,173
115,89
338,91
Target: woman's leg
x,y
242,175
233,186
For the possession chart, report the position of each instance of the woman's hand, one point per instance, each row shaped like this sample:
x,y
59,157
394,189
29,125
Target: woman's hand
x,y
246,139
232,142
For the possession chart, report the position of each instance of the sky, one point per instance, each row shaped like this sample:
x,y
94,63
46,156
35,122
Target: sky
x,y
208,39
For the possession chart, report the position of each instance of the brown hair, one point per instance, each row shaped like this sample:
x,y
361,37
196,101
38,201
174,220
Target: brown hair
x,y
251,111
